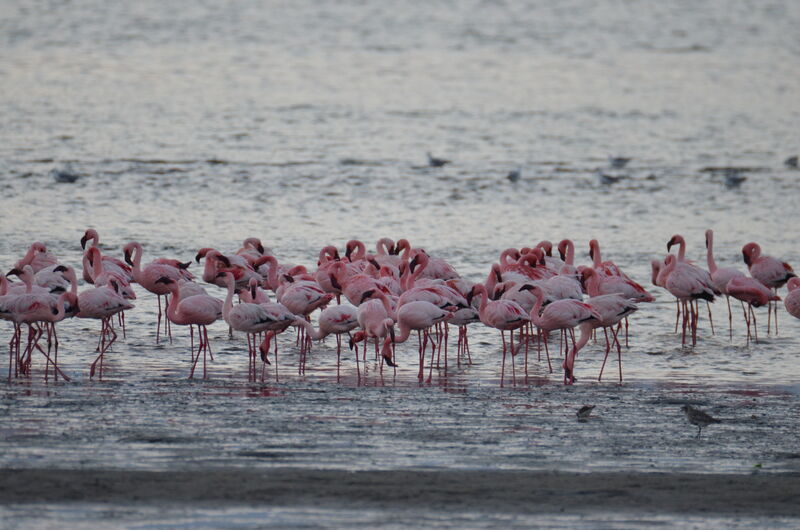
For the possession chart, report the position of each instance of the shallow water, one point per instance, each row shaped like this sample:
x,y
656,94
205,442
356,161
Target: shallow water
x,y
307,124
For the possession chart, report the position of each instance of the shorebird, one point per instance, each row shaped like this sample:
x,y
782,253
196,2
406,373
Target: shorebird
x,y
791,162
584,412
698,417
618,162
436,162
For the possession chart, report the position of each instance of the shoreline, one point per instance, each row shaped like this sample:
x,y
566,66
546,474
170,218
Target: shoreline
x,y
497,491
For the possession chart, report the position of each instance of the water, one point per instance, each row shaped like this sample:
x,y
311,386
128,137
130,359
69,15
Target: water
x,y
192,124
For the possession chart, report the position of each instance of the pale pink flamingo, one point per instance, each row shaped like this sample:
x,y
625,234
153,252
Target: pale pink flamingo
x,y
461,319
327,257
503,315
252,250
249,318
376,317
110,264
102,303
612,308
720,276
792,300
566,249
335,320
148,275
199,310
753,293
302,298
37,257
32,309
421,316
562,315
217,262
678,239
687,285
770,271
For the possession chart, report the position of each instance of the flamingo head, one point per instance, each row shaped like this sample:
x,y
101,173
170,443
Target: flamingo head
x,y
89,234
750,252
674,240
709,237
165,280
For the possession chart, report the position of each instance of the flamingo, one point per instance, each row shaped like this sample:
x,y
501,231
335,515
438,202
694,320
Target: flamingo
x,y
110,264
754,294
688,286
720,276
250,318
198,310
252,250
562,315
792,300
148,276
31,309
678,239
612,308
504,315
772,272
335,320
421,316
37,257
102,303
376,318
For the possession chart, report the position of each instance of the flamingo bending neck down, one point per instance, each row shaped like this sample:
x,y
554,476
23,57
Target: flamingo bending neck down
x,y
565,316
720,276
199,310
753,293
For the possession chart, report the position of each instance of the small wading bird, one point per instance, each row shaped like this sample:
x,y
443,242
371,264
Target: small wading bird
x,y
698,417
436,162
584,412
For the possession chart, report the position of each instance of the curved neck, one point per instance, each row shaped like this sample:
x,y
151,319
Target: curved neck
x,y
228,305
712,266
535,318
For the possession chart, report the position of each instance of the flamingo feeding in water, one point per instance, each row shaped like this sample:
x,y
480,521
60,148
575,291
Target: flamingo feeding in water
x,y
199,310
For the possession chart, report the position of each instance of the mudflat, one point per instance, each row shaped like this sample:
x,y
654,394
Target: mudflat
x,y
775,494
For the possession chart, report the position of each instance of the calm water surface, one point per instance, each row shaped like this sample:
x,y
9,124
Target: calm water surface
x,y
193,124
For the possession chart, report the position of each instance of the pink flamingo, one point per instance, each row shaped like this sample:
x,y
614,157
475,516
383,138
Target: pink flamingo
x,y
421,316
110,264
792,300
249,318
376,317
37,257
720,276
754,294
562,315
678,239
504,315
199,310
772,272
102,303
336,320
252,250
612,308
217,262
32,309
688,286
147,276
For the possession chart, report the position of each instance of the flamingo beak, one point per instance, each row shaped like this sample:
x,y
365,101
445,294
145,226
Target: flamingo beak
x,y
128,259
83,242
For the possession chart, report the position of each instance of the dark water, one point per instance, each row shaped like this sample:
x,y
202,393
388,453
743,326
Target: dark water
x,y
194,124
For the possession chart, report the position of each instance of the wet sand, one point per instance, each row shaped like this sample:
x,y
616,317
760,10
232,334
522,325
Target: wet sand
x,y
496,491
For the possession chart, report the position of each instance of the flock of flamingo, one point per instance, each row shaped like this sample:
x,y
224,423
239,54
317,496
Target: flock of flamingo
x,y
396,286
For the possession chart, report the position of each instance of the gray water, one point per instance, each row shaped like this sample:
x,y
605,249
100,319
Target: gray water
x,y
195,124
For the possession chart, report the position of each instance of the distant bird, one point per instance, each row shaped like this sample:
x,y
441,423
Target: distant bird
x,y
64,175
791,162
436,162
514,175
606,179
584,412
698,417
734,177
618,162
